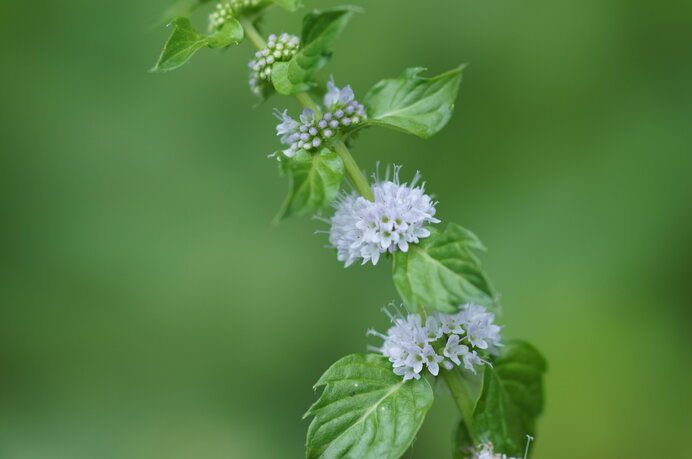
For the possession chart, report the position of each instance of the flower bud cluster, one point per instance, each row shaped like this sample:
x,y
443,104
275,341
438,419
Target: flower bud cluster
x,y
342,107
363,229
227,10
279,49
316,127
443,340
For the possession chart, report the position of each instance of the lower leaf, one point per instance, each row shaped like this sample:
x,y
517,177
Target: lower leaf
x,y
463,443
511,398
365,410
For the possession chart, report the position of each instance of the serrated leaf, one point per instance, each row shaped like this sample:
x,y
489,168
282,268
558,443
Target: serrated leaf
x,y
290,5
365,410
511,398
321,28
185,41
442,272
314,181
414,104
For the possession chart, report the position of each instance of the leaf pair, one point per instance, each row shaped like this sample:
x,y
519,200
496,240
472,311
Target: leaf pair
x,y
366,411
410,103
185,41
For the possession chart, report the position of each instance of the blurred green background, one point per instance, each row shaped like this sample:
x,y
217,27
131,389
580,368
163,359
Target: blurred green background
x,y
151,310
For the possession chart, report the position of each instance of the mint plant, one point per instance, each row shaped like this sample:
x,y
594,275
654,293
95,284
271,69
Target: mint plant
x,y
445,332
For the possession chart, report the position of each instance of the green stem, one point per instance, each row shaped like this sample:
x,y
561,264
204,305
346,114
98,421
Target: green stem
x,y
306,101
461,393
352,170
251,33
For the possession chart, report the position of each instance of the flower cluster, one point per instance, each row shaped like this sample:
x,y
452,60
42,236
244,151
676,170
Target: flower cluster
x,y
315,127
228,9
443,340
279,49
362,229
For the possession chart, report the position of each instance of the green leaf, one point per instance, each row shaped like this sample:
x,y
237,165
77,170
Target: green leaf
x,y
180,8
321,28
511,398
314,181
442,272
463,443
181,45
365,410
290,5
185,41
413,104
230,34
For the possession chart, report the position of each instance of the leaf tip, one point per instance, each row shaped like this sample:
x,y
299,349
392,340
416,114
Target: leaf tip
x,y
280,216
159,68
355,9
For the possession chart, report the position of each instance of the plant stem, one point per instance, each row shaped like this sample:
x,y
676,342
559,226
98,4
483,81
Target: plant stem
x,y
352,170
306,101
461,393
251,33
458,386
354,173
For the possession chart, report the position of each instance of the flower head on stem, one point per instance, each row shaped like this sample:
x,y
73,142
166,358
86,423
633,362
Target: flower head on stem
x,y
363,229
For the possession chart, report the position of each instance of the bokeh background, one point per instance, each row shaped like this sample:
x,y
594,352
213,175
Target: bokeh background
x,y
149,308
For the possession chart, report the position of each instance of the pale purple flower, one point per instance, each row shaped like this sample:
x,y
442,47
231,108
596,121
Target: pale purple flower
x,y
363,229
336,96
412,344
316,126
